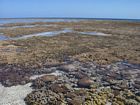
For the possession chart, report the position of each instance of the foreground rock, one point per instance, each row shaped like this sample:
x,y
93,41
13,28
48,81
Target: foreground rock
x,y
85,83
77,83
88,84
44,97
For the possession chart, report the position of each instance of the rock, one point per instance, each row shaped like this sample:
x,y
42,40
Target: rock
x,y
8,83
49,70
76,97
137,82
51,63
76,101
138,98
23,82
49,78
68,68
85,83
80,75
137,93
38,84
137,86
71,95
58,88
44,81
116,88
131,102
43,97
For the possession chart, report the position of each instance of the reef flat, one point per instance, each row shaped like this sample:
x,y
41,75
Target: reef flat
x,y
86,62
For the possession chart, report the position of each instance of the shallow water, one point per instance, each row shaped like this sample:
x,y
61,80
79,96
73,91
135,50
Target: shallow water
x,y
3,37
56,73
24,26
51,33
5,21
94,33
19,20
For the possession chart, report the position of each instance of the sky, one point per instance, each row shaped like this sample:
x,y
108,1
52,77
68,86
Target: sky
x,y
125,9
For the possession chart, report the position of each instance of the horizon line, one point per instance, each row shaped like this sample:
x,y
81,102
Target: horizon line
x,y
69,18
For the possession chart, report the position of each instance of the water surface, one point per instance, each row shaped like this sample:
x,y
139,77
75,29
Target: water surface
x,y
5,21
94,33
52,33
29,20
3,37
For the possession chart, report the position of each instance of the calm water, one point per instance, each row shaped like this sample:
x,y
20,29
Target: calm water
x,y
52,33
2,37
4,21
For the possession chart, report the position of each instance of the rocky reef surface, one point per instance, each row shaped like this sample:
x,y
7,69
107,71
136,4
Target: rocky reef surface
x,y
75,83
72,68
88,84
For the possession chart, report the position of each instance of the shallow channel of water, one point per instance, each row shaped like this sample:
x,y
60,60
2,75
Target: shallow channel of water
x,y
52,33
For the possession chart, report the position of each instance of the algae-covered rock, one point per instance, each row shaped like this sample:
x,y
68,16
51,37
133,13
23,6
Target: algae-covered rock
x,y
131,102
43,97
85,83
138,98
100,98
76,101
58,88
